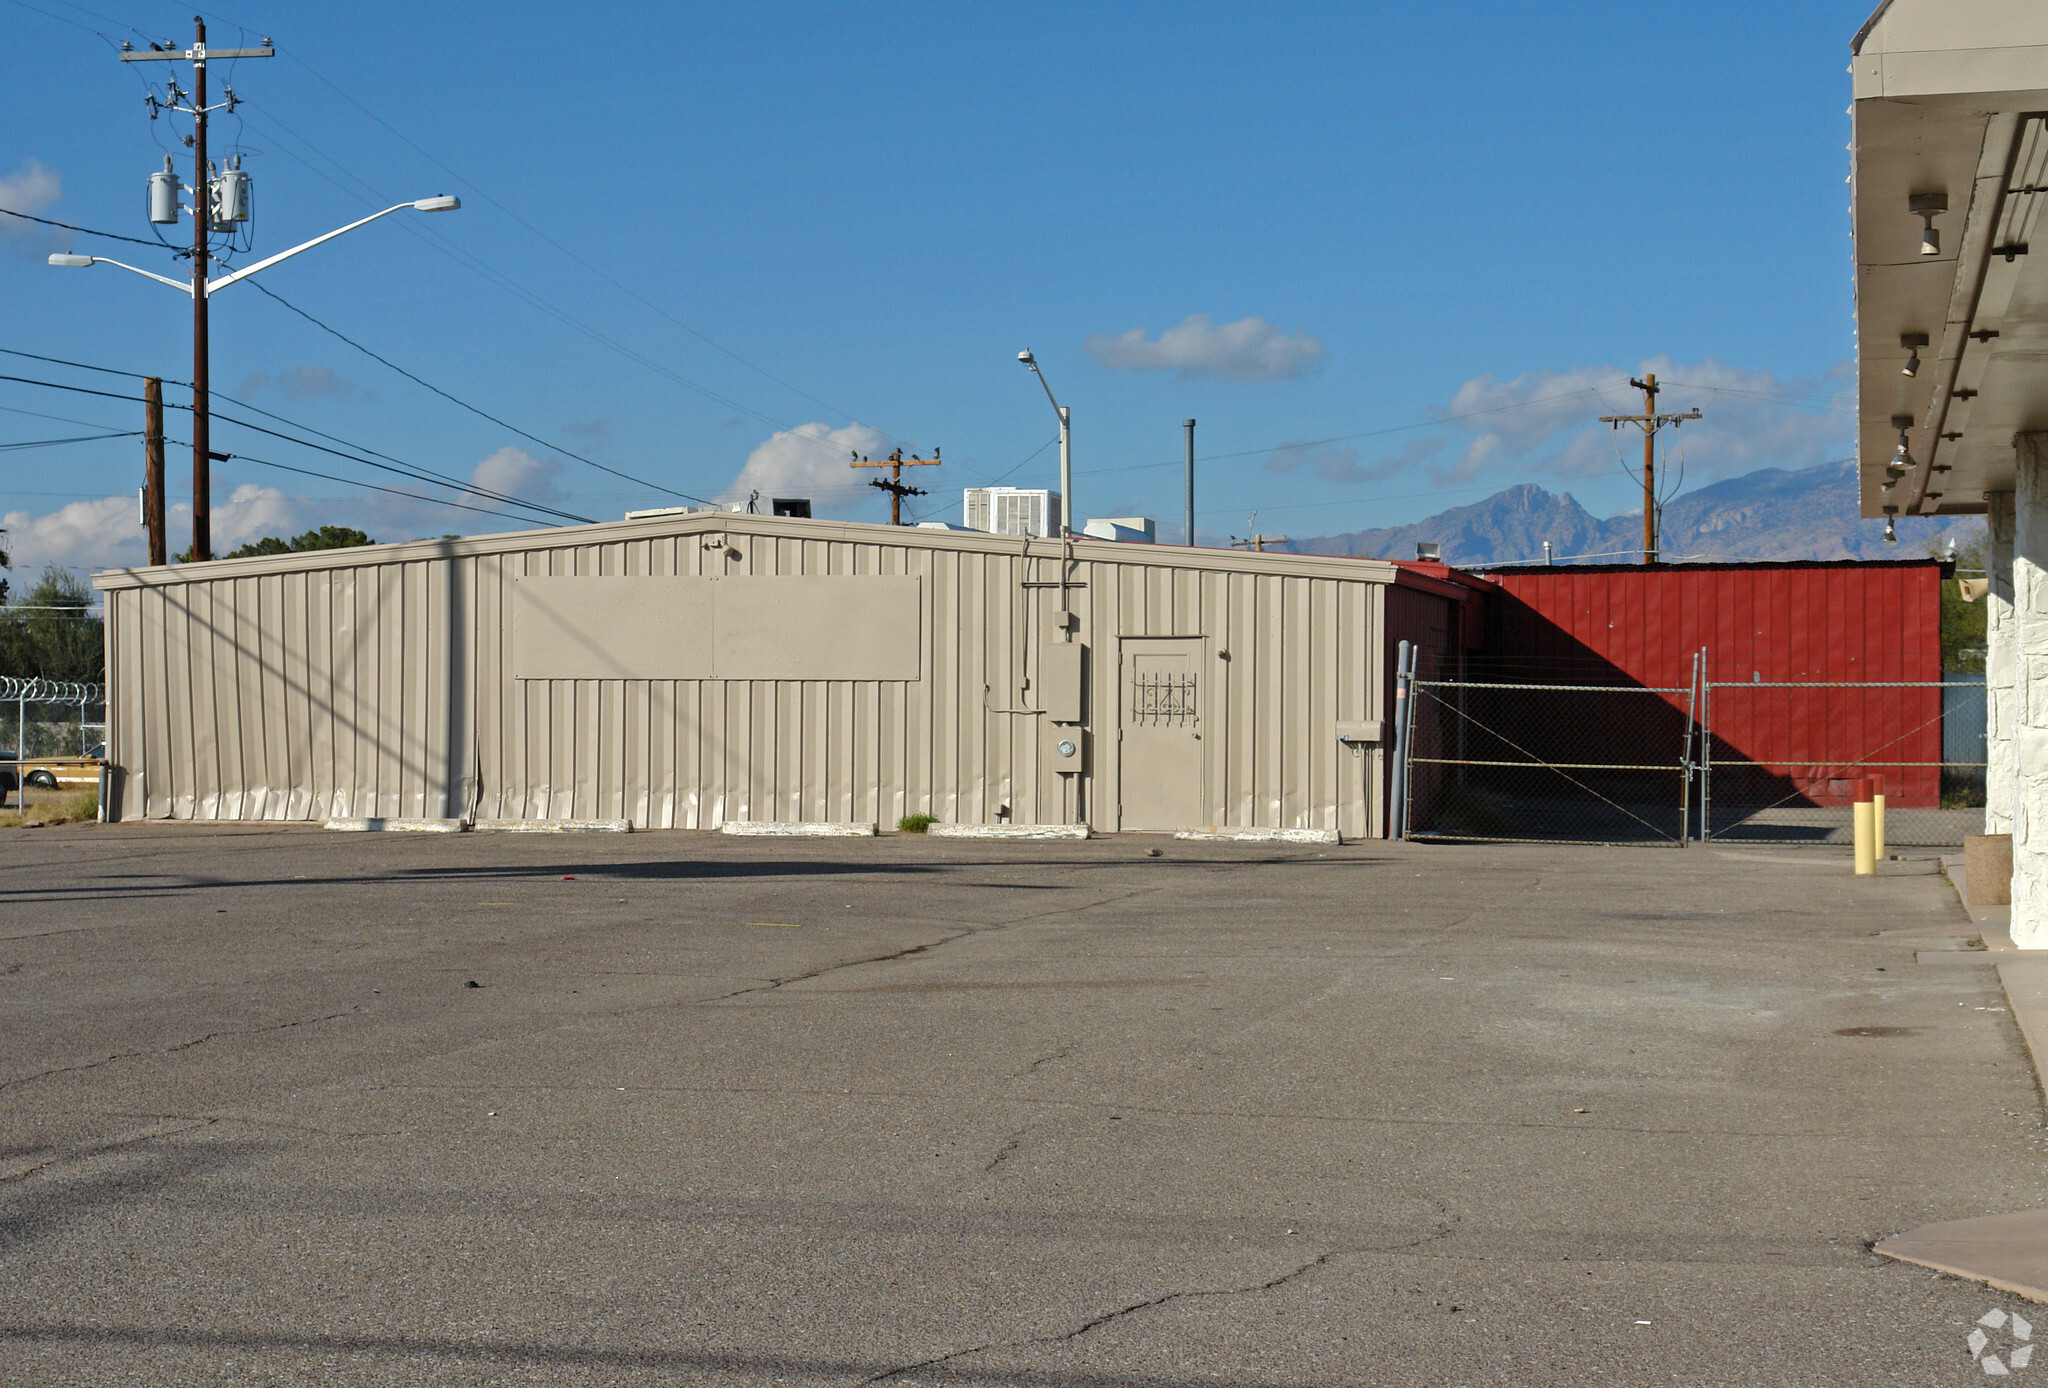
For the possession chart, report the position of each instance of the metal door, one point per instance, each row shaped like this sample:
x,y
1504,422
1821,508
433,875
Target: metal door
x,y
1160,740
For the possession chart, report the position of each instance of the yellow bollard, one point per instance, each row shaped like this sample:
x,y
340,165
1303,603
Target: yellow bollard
x,y
1866,830
1877,813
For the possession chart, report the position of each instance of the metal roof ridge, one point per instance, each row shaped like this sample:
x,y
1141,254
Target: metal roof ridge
x,y
676,525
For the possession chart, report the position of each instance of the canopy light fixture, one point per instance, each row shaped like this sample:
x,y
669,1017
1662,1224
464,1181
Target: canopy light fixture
x,y
1912,342
1891,531
1928,206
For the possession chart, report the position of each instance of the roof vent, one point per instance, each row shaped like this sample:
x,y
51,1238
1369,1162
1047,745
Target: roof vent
x,y
1429,552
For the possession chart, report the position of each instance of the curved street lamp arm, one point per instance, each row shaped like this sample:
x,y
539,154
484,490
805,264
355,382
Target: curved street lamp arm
x,y
214,286
184,286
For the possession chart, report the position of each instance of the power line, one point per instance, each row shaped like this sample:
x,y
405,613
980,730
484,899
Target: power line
x,y
484,270
83,231
85,366
418,474
370,486
623,288
59,418
1366,434
76,390
423,473
52,443
481,414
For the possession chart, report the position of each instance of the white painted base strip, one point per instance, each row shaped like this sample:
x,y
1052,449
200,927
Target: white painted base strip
x,y
1218,835
552,826
397,826
1008,831
796,829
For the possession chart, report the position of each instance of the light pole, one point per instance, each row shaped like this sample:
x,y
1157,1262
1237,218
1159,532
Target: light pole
x,y
1066,447
201,291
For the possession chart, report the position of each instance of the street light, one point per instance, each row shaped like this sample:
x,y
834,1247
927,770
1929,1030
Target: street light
x,y
201,290
1066,446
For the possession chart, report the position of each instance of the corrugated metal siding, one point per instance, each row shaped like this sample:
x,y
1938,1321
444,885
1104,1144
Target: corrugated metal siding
x,y
1832,622
379,683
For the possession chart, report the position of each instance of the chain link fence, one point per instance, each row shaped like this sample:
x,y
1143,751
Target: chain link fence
x,y
1925,739
1729,762
1563,763
47,720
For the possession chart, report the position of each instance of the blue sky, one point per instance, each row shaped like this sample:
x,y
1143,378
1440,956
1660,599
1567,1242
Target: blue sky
x,y
1321,230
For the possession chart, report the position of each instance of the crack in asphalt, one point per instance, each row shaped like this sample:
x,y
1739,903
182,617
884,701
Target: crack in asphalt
x,y
1446,1226
929,945
1132,1106
821,971
169,1050
87,1151
1109,1317
1032,1068
1007,1150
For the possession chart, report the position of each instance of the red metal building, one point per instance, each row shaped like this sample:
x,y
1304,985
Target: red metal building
x,y
1849,623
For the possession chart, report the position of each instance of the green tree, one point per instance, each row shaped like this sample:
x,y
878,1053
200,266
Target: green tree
x,y
326,537
1963,623
52,632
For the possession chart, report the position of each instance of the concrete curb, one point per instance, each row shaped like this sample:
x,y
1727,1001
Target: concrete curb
x,y
2009,1251
1217,835
1007,831
2025,977
795,829
395,826
1996,921
552,826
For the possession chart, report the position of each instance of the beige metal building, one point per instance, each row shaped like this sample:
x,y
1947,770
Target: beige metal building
x,y
690,670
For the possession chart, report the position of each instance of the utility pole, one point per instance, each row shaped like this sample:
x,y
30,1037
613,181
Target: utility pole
x,y
1651,422
1256,541
1189,425
202,236
153,468
894,484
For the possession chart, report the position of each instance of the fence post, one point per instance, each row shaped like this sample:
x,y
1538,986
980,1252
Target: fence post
x,y
1397,810
1706,747
1692,704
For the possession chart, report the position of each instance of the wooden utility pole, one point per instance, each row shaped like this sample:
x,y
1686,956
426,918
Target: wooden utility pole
x,y
1256,541
203,455
1651,422
153,468
894,484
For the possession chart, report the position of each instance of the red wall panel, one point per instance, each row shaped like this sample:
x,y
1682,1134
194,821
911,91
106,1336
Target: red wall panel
x,y
1848,623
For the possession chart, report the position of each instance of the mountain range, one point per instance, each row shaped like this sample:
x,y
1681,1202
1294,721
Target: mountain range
x,y
1770,514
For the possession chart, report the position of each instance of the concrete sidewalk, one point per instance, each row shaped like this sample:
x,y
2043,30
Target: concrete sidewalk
x,y
728,1111
2007,1251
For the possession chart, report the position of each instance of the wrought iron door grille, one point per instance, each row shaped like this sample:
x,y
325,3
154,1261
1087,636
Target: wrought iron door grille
x,y
1158,699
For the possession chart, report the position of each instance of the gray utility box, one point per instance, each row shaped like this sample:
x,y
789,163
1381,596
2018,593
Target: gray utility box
x,y
1062,678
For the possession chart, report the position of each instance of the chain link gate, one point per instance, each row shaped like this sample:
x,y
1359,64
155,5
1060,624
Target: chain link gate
x,y
1722,760
1925,738
1563,763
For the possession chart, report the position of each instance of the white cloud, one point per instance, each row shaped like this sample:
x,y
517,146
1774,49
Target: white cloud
x,y
83,534
1345,464
515,472
106,533
32,189
1546,422
1251,349
299,383
814,461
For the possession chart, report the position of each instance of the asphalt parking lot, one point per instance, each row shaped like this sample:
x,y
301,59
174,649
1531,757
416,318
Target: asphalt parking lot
x,y
293,1107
